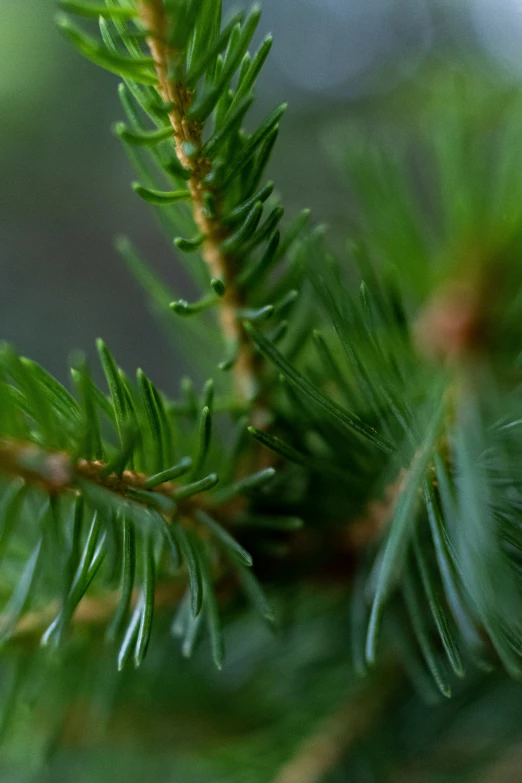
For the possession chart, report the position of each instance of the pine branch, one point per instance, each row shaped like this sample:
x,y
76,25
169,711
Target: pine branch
x,y
188,136
197,87
94,497
56,473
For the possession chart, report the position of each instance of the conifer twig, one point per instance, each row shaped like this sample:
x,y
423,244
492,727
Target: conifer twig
x,y
54,471
221,266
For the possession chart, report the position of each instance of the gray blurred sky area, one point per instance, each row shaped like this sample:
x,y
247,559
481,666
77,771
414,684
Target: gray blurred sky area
x,y
64,180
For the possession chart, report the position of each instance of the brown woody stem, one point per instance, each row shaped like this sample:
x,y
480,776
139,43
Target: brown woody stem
x,y
55,472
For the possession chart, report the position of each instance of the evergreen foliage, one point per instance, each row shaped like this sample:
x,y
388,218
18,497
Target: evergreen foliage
x,y
370,428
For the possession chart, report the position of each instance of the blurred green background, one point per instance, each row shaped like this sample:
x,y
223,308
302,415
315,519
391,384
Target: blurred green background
x,y
64,180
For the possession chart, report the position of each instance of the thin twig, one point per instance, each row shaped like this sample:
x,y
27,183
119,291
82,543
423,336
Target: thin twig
x,y
220,265
56,472
336,735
